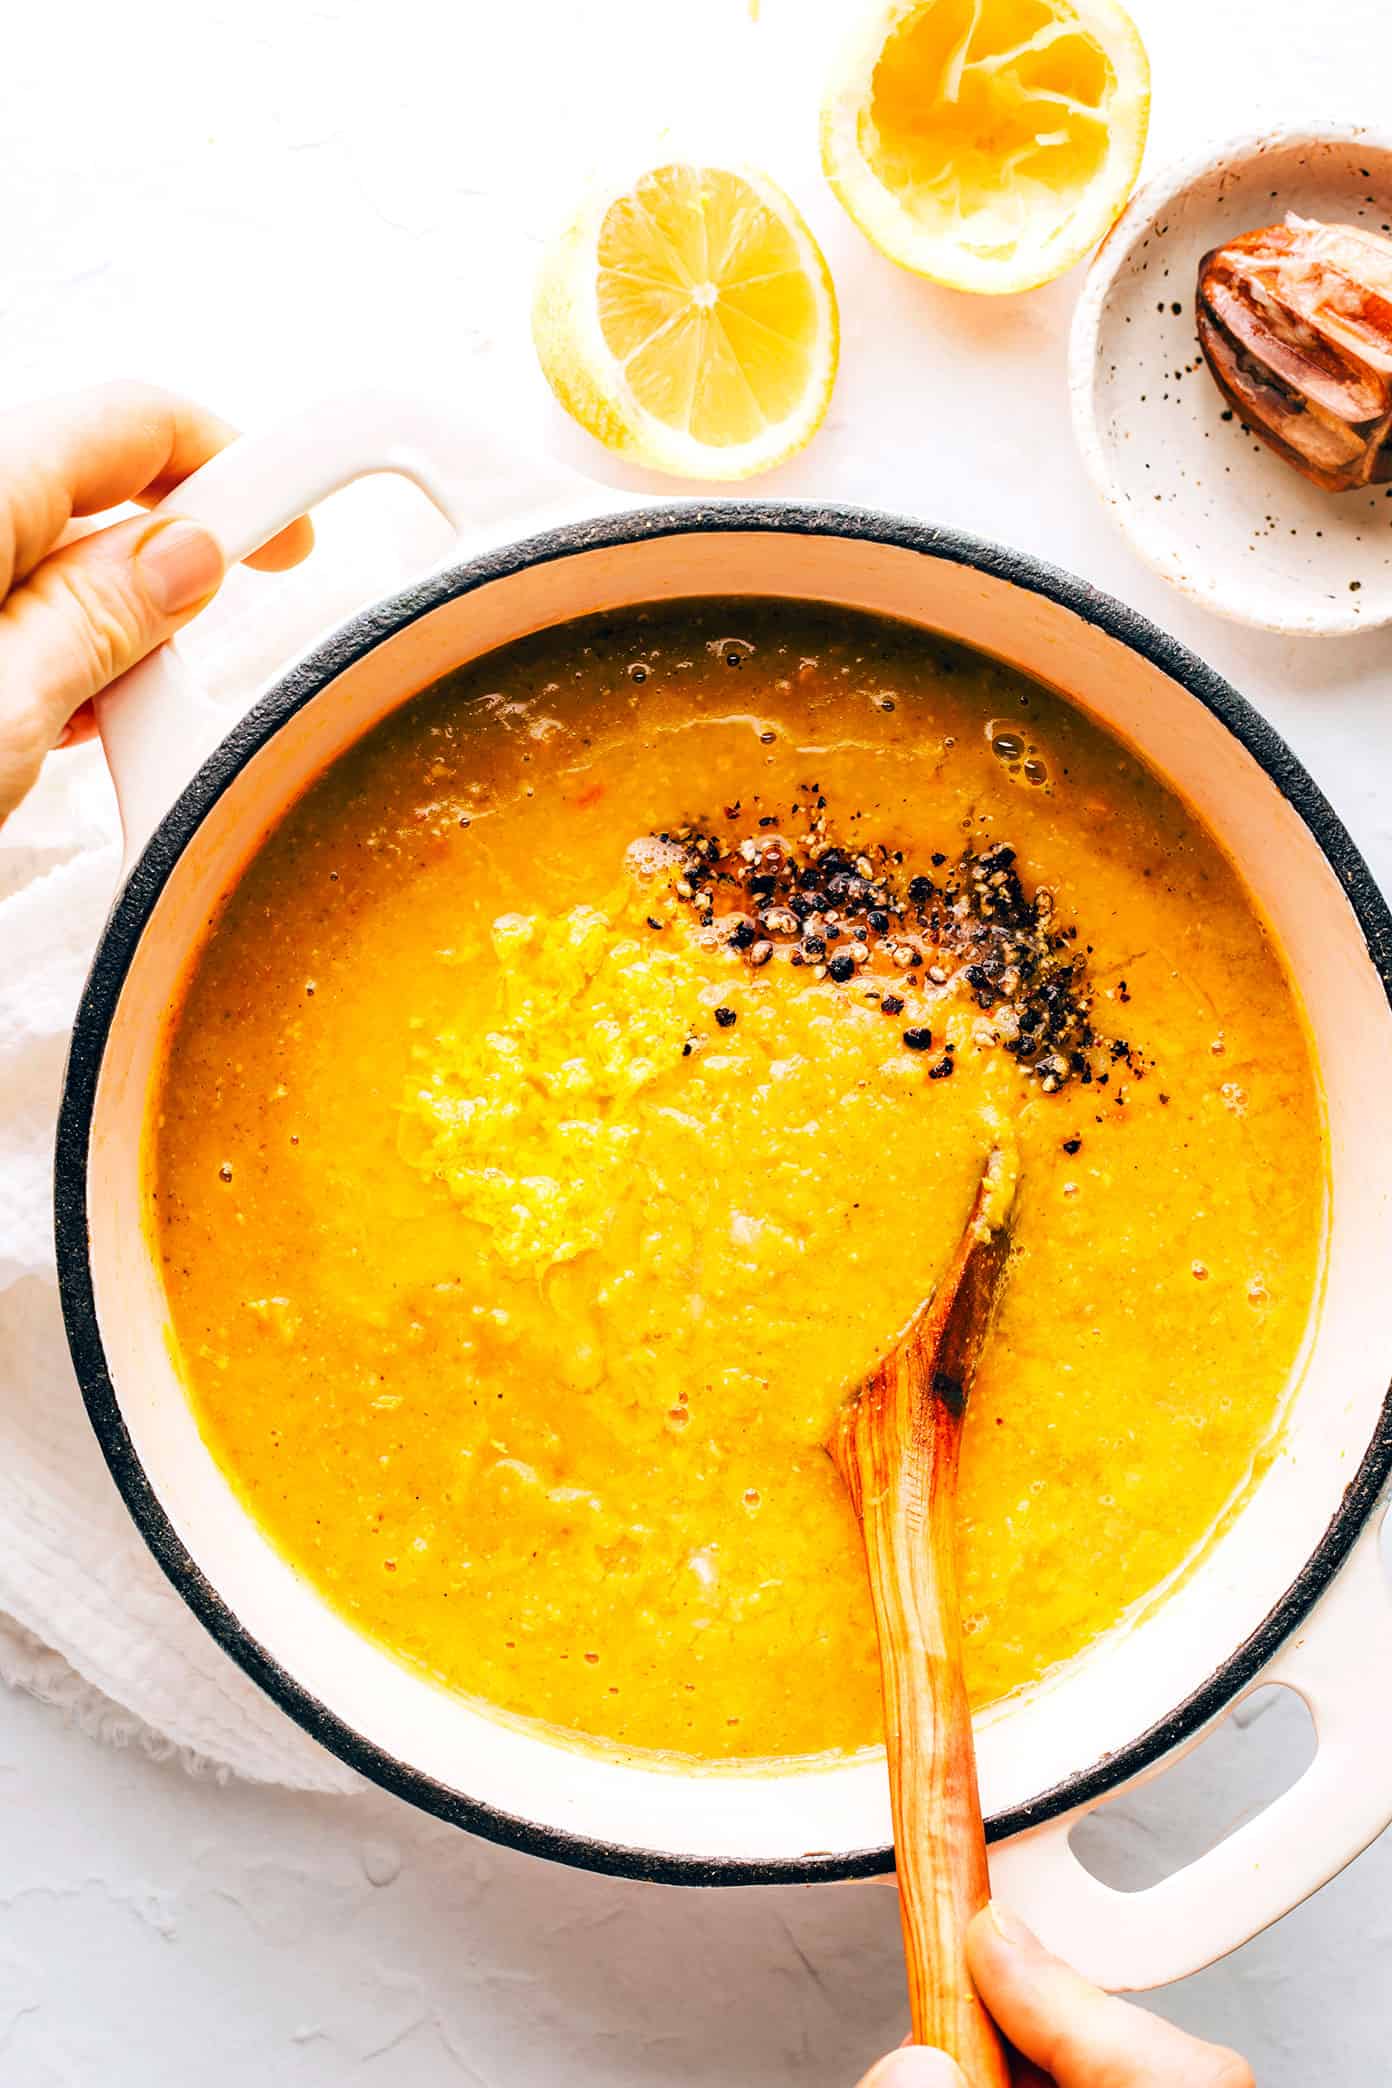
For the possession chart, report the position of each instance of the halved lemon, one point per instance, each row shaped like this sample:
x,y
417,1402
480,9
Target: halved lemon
x,y
988,143
689,320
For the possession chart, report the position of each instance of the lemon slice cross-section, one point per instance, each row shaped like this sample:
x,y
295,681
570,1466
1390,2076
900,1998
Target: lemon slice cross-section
x,y
689,321
988,143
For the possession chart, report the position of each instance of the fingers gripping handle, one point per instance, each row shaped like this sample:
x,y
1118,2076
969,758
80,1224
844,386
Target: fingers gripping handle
x,y
155,725
1340,1662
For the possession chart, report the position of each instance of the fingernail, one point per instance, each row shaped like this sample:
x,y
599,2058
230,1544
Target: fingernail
x,y
1008,1926
180,564
915,2066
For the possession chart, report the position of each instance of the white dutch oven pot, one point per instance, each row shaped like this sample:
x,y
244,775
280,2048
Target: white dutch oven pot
x,y
1292,1590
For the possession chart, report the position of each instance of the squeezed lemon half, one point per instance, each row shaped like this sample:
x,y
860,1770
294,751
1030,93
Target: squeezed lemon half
x,y
689,321
988,143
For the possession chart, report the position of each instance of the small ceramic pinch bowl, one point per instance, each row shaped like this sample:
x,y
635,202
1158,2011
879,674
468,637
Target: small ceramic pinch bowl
x,y
1199,497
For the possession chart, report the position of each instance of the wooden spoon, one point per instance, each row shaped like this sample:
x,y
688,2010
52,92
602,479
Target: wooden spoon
x,y
896,1444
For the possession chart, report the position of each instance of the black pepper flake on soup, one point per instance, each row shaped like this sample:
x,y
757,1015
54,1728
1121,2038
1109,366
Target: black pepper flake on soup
x,y
857,913
1072,1145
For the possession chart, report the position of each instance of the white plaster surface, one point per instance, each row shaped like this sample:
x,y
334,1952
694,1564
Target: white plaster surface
x,y
265,201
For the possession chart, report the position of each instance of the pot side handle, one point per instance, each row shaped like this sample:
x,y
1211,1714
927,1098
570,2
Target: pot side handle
x,y
1340,1663
156,725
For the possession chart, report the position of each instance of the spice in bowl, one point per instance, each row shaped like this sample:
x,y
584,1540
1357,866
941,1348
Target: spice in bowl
x,y
861,915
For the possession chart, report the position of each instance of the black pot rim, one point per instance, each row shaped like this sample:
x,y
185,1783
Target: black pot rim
x,y
136,902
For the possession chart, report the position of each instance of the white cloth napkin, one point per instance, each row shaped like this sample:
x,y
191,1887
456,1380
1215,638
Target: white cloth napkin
x,y
87,1620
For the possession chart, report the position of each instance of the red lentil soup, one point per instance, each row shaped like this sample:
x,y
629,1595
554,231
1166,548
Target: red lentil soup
x,y
589,1076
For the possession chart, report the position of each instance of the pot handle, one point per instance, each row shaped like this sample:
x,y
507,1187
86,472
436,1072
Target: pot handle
x,y
156,725
1340,1663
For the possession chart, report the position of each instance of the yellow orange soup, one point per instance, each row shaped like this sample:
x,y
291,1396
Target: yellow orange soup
x,y
522,1231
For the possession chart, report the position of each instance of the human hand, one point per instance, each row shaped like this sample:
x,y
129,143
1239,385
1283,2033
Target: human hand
x,y
1066,2032
77,608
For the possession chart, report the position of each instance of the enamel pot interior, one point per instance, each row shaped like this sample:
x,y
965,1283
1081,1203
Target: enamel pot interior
x,y
1137,1693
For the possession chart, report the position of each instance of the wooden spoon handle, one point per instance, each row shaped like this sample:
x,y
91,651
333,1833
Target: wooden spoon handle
x,y
898,1454
897,1444
940,1847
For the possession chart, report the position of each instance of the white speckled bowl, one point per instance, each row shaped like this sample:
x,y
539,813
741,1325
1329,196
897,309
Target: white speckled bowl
x,y
1211,508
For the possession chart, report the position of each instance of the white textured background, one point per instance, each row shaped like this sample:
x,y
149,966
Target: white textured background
x,y
265,201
